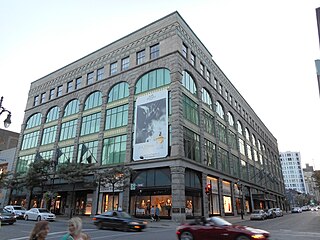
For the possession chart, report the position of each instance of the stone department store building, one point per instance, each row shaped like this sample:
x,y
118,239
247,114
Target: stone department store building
x,y
155,101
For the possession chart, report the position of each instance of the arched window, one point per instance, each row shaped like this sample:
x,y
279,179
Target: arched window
x,y
71,108
219,110
152,80
188,83
253,140
239,126
34,120
230,119
206,98
259,144
119,91
94,100
53,114
247,134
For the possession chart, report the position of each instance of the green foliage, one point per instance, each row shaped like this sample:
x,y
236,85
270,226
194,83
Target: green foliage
x,y
117,176
73,172
37,174
316,176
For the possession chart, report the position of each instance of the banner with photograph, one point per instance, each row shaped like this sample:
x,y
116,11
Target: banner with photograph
x,y
151,126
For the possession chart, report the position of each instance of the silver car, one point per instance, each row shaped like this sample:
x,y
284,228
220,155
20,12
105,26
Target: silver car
x,y
39,214
17,210
258,215
278,212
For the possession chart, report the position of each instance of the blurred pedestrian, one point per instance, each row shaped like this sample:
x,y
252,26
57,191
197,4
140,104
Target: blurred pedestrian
x,y
152,213
157,214
40,231
75,230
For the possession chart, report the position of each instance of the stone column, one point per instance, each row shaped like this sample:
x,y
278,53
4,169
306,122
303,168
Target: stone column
x,y
178,194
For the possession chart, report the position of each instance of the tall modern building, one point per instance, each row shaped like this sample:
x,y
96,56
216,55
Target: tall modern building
x,y
154,101
292,171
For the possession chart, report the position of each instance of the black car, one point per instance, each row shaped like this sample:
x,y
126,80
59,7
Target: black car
x,y
118,220
7,217
270,213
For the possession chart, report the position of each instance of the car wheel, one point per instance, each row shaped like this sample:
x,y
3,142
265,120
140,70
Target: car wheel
x,y
242,237
26,218
39,218
99,225
186,236
10,223
125,228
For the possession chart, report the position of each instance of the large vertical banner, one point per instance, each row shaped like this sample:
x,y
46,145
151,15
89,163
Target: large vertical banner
x,y
151,126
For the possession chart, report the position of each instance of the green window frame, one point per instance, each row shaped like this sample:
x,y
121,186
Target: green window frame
x,y
34,120
86,151
116,117
49,135
71,108
68,129
206,98
30,140
188,83
93,100
224,159
208,122
222,132
190,110
191,142
53,114
114,150
119,91
210,153
90,124
154,79
232,140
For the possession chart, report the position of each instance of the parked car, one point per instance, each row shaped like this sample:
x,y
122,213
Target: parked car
x,y
218,228
305,208
270,213
278,212
118,220
17,210
7,217
39,214
296,210
258,215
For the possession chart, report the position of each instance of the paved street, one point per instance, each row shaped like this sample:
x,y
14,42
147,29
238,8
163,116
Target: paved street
x,y
289,227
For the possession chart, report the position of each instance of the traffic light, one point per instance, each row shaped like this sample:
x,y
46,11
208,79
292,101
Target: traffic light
x,y
208,188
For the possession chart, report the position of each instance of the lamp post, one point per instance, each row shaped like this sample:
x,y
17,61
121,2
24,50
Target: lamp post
x,y
240,188
7,121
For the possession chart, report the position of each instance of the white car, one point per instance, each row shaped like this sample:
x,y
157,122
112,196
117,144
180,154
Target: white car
x,y
39,214
17,210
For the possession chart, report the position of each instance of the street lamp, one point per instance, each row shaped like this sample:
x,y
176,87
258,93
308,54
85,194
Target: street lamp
x,y
7,121
240,188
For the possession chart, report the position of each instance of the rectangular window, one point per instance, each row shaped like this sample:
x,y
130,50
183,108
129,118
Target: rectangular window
x,y
193,59
125,64
68,129
49,135
78,83
51,96
241,147
36,100
210,153
100,73
154,51
141,57
90,78
215,82
232,140
184,50
226,93
117,117
208,76
191,143
59,91
201,69
43,97
114,150
222,132
220,88
244,171
208,122
113,68
223,156
69,86
90,124
190,110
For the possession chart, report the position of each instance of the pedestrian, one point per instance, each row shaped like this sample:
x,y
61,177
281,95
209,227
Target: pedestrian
x,y
75,230
157,214
152,213
40,231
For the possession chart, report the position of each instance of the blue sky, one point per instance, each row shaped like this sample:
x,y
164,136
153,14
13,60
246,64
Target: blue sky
x,y
266,49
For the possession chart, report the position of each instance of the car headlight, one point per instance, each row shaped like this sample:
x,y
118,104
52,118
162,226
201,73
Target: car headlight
x,y
133,223
258,236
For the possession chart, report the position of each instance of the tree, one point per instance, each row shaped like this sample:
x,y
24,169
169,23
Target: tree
x,y
13,181
117,177
37,175
316,176
73,173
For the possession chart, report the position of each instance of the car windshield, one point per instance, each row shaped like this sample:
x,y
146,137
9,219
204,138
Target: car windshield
x,y
256,211
43,210
18,208
219,221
